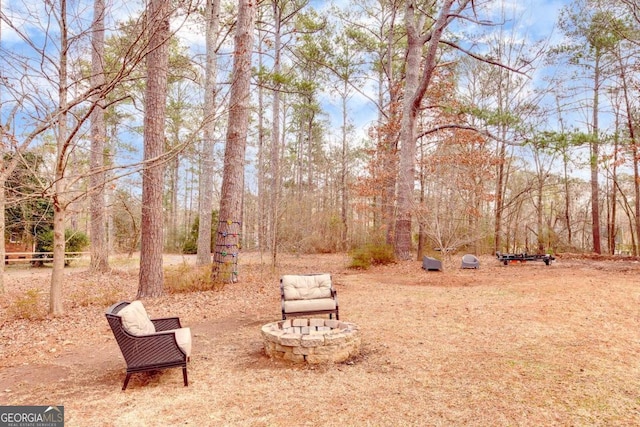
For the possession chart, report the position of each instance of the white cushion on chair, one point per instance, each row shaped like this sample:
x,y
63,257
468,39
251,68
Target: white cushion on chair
x,y
135,319
306,287
183,338
298,306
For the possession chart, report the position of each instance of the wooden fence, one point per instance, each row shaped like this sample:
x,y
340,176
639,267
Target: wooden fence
x,y
39,257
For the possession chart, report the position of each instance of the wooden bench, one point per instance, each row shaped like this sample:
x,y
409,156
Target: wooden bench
x,y
308,294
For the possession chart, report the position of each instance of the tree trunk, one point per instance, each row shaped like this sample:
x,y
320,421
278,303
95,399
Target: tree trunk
x,y
228,236
3,198
212,15
539,220
59,204
636,187
612,224
344,202
174,185
415,87
390,139
262,217
594,146
499,209
275,137
422,235
99,249
635,158
567,200
151,275
3,195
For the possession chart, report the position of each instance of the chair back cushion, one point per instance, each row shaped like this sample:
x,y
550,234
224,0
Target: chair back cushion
x,y
135,319
306,287
469,259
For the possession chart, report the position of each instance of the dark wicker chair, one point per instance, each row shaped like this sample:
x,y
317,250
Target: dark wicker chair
x,y
148,352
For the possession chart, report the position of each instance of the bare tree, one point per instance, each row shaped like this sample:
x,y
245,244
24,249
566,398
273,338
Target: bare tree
x,y
60,201
99,248
212,18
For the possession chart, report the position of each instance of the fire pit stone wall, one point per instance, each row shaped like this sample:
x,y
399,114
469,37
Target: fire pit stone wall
x,y
312,341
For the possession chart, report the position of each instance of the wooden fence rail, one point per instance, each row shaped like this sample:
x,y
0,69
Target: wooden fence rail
x,y
39,257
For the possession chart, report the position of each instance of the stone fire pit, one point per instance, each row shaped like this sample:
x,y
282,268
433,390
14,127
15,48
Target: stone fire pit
x,y
311,340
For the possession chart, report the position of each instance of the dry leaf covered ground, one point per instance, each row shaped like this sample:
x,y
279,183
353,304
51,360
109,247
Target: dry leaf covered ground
x,y
524,344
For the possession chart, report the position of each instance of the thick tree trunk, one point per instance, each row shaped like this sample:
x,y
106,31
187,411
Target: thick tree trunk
x,y
418,78
98,235
228,237
151,244
406,169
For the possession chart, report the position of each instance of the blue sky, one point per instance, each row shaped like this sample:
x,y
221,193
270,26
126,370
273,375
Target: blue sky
x,y
532,20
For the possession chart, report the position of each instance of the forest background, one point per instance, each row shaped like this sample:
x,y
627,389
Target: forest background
x,y
408,126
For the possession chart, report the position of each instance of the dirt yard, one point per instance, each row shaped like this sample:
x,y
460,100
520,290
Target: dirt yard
x,y
523,344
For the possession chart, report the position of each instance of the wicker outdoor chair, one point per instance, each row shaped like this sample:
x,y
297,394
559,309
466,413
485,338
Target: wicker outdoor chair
x,y
148,344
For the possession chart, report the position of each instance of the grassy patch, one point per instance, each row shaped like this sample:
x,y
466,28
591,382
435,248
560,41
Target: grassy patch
x,y
186,278
28,306
372,254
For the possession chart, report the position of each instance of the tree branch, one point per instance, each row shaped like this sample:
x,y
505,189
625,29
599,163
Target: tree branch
x,y
482,58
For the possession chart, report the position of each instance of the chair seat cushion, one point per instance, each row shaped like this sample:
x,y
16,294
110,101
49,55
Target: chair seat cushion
x,y
135,319
319,304
183,337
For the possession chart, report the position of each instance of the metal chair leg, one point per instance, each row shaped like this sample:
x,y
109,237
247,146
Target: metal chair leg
x,y
126,381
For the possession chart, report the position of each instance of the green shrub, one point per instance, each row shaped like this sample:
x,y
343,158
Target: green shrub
x,y
76,241
382,255
372,254
190,245
360,259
